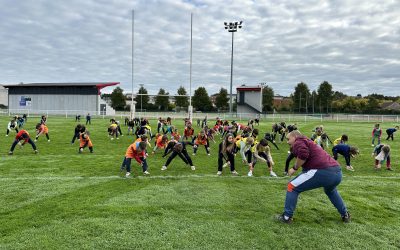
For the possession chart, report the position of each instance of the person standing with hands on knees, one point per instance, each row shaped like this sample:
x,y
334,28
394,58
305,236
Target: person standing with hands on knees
x,y
319,170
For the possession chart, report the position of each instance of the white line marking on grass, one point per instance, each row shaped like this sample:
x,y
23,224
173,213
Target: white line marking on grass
x,y
173,177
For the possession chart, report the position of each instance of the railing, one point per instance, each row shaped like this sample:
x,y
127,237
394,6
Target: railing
x,y
211,116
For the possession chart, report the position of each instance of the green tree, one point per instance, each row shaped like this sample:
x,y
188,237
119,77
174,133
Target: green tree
x,y
301,97
201,100
182,101
162,100
221,101
267,98
118,99
324,96
142,98
337,95
373,104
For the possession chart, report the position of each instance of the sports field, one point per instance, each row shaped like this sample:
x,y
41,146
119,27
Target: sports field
x,y
59,199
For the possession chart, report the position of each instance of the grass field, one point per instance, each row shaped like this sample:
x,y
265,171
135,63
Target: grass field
x,y
59,199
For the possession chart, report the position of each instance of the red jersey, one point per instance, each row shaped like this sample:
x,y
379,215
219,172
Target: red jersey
x,y
22,135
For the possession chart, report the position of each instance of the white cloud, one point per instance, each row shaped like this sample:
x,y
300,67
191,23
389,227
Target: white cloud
x,y
352,44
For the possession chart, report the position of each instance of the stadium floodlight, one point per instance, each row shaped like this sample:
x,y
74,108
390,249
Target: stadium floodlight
x,y
232,27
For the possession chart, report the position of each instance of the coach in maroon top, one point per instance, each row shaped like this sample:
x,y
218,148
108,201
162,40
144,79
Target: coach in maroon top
x,y
319,170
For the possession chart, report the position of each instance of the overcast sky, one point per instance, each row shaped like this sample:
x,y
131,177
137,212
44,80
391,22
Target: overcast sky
x,y
352,44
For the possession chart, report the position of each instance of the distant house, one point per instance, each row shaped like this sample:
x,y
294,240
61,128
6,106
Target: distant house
x,y
280,102
390,106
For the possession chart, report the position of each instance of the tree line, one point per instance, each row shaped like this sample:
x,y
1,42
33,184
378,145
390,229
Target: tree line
x,y
302,100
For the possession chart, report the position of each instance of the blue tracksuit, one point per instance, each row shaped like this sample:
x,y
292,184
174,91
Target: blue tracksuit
x,y
344,150
390,132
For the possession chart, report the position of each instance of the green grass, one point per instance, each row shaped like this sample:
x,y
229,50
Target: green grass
x,y
60,199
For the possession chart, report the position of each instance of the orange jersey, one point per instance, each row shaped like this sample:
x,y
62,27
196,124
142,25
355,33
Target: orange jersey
x,y
43,128
85,140
201,140
132,152
188,132
160,143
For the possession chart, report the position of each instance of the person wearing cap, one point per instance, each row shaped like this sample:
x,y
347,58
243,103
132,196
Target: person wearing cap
x,y
319,169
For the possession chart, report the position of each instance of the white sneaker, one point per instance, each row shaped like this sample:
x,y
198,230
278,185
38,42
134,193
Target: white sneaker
x,y
250,173
208,154
112,138
48,140
372,145
6,135
272,174
219,173
128,175
146,172
194,154
350,168
163,168
193,168
234,172
35,140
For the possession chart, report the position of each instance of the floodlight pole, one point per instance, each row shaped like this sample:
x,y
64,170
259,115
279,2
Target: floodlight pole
x,y
133,109
190,110
232,27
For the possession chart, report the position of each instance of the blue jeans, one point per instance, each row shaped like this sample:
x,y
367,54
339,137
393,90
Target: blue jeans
x,y
127,163
328,178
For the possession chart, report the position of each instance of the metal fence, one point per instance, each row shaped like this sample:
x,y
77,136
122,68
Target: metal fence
x,y
337,117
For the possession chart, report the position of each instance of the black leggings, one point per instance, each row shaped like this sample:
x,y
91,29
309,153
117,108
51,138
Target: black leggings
x,y
263,155
183,155
231,159
16,142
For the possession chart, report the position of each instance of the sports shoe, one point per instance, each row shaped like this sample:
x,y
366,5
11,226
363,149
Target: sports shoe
x,y
48,140
193,168
36,151
372,145
346,218
234,172
35,140
389,169
146,172
250,173
10,153
219,173
127,175
194,154
272,174
112,138
285,173
350,168
284,219
208,154
163,168
6,135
